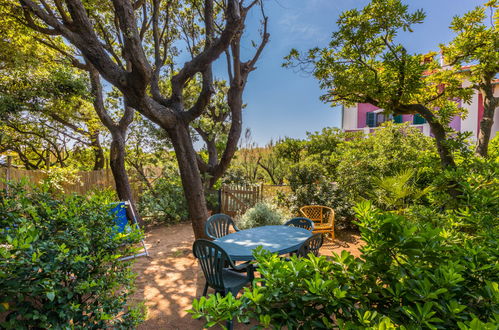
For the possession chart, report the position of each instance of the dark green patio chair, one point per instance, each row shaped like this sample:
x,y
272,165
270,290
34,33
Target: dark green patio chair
x,y
301,222
213,260
218,225
311,245
219,270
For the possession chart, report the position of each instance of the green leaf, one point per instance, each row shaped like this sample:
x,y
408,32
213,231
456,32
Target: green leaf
x,y
50,295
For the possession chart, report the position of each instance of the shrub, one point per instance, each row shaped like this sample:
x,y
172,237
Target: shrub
x,y
262,214
397,192
387,152
59,264
311,187
165,202
410,275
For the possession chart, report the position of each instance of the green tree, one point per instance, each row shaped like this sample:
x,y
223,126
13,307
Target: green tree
x,y
322,147
37,79
245,168
49,104
477,44
290,149
274,166
135,46
213,128
365,64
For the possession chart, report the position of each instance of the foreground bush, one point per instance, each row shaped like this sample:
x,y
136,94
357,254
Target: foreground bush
x,y
411,275
59,264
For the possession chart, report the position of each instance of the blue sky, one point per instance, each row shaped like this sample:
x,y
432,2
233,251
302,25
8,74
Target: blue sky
x,y
281,102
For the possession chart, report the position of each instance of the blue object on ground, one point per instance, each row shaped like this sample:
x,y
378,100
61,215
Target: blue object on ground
x,y
121,224
121,220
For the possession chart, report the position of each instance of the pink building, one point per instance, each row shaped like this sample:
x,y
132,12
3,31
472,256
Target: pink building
x,y
366,117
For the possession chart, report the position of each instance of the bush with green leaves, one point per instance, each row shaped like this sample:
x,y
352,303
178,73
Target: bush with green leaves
x,y
387,152
310,186
165,201
262,214
475,182
411,275
398,192
59,263
321,147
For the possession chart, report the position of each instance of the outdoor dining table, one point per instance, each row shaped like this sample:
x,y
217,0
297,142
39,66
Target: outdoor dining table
x,y
276,239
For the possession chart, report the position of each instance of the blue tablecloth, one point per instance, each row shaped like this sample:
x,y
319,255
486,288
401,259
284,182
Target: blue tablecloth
x,y
276,239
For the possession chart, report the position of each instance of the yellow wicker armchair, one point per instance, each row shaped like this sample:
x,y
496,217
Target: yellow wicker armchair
x,y
322,216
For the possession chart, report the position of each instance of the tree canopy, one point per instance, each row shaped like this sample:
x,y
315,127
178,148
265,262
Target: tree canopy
x,y
477,44
138,47
364,63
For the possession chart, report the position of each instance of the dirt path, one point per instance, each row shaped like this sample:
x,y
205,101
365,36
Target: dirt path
x,y
170,279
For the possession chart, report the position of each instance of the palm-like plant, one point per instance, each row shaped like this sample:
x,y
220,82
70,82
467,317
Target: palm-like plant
x,y
397,192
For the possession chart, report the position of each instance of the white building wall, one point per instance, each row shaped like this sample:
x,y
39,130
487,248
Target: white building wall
x,y
470,123
350,116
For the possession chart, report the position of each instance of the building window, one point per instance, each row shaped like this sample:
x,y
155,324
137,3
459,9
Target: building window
x,y
418,120
371,119
376,118
397,119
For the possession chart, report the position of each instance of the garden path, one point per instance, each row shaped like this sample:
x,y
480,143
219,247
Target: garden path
x,y
170,279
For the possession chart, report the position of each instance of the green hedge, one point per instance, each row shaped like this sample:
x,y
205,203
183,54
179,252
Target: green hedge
x,y
59,264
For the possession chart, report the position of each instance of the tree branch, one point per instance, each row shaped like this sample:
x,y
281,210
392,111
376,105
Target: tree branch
x,y
207,56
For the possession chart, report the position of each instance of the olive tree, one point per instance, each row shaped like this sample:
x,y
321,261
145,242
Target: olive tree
x,y
134,46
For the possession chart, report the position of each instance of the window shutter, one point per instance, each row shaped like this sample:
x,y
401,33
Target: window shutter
x,y
397,119
371,119
418,120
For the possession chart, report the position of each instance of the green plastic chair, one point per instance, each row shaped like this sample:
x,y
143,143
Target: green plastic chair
x,y
213,260
311,245
301,222
218,225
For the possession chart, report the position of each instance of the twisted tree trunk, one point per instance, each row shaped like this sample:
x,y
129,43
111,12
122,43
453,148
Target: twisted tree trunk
x,y
138,79
117,153
490,103
190,176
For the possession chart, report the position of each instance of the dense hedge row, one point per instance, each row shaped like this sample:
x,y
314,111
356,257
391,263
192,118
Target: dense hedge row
x,y
59,264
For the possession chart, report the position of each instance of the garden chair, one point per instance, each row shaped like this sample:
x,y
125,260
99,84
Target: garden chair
x,y
311,245
213,260
322,216
121,221
218,225
301,222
